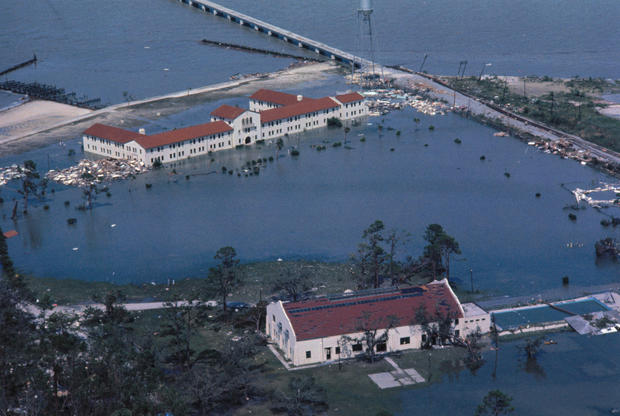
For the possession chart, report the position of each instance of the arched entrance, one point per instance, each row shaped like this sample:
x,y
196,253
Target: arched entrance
x,y
248,140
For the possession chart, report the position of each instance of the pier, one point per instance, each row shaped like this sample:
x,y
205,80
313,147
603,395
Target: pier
x,y
268,29
31,61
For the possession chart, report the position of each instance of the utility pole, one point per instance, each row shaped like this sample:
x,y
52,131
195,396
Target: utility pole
x,y
552,102
423,62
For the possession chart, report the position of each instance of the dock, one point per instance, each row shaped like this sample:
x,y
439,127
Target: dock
x,y
31,61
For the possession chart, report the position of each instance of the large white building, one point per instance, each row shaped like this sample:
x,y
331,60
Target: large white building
x,y
328,328
271,114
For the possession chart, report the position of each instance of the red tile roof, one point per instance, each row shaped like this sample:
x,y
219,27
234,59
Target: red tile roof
x,y
10,234
303,107
276,97
111,133
187,133
350,97
325,317
228,112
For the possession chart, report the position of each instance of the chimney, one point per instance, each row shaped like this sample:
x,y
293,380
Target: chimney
x,y
142,131
300,97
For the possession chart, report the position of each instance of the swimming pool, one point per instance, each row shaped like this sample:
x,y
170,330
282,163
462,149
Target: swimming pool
x,y
539,314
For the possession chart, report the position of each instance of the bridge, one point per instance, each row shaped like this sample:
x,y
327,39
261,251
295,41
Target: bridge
x,y
319,48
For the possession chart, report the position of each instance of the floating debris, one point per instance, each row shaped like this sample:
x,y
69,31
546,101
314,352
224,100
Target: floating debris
x,y
88,172
584,195
10,173
382,101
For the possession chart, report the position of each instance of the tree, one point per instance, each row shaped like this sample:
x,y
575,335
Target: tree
x,y
18,356
304,397
374,333
279,146
495,403
292,285
437,251
371,256
438,327
29,185
183,318
223,278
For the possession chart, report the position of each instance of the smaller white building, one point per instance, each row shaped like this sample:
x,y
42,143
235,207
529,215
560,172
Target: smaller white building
x,y
332,327
474,318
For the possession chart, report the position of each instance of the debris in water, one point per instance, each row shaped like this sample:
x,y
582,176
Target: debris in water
x,y
89,172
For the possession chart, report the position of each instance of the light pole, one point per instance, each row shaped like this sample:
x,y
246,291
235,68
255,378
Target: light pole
x,y
423,62
471,279
482,70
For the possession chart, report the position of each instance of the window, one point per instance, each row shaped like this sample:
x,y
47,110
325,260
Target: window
x,y
405,340
457,333
423,337
273,317
337,350
356,347
381,347
456,321
308,354
279,326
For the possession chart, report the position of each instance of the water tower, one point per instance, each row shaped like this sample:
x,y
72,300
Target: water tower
x,y
365,28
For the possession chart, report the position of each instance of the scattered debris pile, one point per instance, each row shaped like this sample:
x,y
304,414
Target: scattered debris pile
x,y
584,195
607,247
89,172
382,101
9,173
565,149
595,323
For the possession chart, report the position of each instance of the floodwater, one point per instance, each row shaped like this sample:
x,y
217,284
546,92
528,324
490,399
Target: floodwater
x,y
117,49
577,376
317,205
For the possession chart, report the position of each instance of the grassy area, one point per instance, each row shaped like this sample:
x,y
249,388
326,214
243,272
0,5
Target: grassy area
x,y
257,280
572,108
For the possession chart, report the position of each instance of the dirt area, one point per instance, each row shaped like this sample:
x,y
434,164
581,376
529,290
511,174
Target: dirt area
x,y
38,126
534,88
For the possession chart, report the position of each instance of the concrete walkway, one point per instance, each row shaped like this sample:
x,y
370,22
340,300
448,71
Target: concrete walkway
x,y
396,378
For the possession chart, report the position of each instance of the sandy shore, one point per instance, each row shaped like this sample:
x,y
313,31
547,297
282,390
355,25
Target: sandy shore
x,y
30,126
34,115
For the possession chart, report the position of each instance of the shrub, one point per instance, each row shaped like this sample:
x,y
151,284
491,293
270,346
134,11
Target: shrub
x,y
157,164
224,169
572,217
67,203
457,141
398,132
507,174
336,144
334,122
431,127
294,152
148,185
363,139
71,221
537,194
483,157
